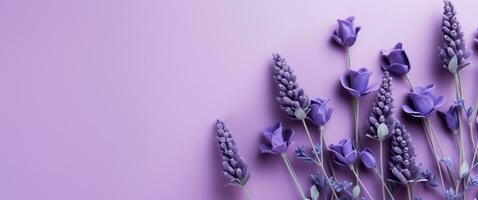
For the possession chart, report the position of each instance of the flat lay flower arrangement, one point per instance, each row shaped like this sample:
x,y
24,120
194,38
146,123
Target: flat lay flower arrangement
x,y
394,167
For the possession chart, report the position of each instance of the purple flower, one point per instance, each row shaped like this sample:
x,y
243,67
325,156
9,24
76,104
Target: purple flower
x,y
356,82
402,156
319,114
451,116
453,42
382,110
346,32
276,139
396,61
368,158
423,102
344,153
475,39
233,166
292,98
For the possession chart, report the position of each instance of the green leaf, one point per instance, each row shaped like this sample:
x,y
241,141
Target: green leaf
x,y
382,131
356,192
453,65
314,193
464,169
300,114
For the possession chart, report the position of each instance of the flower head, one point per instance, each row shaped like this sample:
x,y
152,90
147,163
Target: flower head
x,y
346,32
276,139
292,99
356,82
402,156
453,42
319,113
382,110
233,166
368,158
450,117
423,102
344,152
396,61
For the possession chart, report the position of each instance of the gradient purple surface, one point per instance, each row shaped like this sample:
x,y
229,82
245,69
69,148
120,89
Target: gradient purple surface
x,y
115,100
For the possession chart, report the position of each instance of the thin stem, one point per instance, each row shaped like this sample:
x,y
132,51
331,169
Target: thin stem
x,y
349,60
356,108
459,97
325,149
248,194
407,78
432,147
360,182
321,166
293,175
382,179
457,187
409,191
381,169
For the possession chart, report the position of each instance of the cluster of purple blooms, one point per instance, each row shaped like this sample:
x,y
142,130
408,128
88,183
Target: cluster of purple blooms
x,y
382,125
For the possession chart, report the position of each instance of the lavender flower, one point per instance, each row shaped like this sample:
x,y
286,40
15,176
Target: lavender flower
x,y
368,158
319,114
453,42
346,33
450,117
430,179
396,61
475,39
344,153
423,102
402,156
292,99
233,166
356,82
276,139
382,112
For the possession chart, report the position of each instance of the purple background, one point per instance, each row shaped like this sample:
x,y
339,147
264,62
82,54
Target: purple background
x,y
116,99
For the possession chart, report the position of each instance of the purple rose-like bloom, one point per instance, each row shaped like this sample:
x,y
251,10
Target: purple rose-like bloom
x,y
450,117
368,158
292,98
402,156
396,61
344,152
423,102
233,166
356,82
475,39
319,113
453,42
276,139
346,33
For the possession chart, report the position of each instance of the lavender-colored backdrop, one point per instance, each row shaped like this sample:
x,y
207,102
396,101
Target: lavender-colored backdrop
x,y
116,99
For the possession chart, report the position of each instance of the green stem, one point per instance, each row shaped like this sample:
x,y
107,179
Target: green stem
x,y
293,175
409,191
381,169
432,147
325,148
360,182
356,108
349,60
321,165
248,194
459,97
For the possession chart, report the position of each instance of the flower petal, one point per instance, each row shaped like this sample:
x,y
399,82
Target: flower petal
x,y
397,69
410,111
422,103
266,149
360,82
346,85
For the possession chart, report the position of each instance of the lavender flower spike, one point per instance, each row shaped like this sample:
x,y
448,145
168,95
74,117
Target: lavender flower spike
x,y
453,42
402,156
382,112
292,99
233,167
423,102
346,33
396,60
356,82
277,139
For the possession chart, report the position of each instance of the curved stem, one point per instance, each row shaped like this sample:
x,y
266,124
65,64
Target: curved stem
x,y
248,194
321,165
293,175
407,78
409,191
325,149
360,182
432,148
381,170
